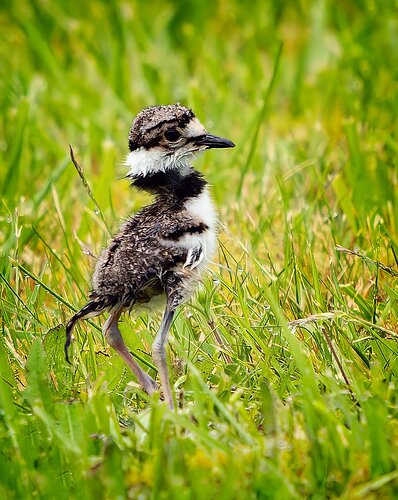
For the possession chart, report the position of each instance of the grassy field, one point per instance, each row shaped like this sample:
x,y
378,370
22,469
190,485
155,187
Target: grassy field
x,y
285,364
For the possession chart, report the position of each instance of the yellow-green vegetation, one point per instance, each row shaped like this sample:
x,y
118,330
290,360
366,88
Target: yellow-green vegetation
x,y
285,364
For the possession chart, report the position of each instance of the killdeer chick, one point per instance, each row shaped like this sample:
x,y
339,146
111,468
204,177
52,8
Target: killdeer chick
x,y
162,250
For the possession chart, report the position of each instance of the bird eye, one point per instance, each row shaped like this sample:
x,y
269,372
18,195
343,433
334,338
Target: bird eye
x,y
172,135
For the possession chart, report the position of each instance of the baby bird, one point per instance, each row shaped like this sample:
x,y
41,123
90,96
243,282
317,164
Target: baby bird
x,y
163,249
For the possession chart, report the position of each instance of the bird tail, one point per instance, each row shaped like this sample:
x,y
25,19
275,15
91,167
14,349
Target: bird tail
x,y
91,309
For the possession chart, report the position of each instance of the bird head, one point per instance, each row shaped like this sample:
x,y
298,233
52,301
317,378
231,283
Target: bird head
x,y
162,138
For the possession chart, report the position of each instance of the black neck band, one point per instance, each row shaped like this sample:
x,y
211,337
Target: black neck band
x,y
172,184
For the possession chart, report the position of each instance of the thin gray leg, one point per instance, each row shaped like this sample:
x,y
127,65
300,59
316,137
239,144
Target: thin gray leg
x,y
115,340
159,353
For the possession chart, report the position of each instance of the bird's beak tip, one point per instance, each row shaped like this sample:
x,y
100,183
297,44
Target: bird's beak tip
x,y
213,141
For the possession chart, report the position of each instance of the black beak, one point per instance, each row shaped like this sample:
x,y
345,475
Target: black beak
x,y
213,141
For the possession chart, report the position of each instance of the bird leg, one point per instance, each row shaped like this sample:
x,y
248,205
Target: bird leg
x,y
159,352
114,338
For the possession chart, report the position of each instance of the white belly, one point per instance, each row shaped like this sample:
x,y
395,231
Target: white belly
x,y
202,209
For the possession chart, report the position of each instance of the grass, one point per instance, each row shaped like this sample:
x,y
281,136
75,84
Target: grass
x,y
285,364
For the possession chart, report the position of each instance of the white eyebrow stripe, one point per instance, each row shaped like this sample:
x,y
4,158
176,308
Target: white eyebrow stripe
x,y
194,128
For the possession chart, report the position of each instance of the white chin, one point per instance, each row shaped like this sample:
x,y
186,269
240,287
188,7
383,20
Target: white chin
x,y
142,162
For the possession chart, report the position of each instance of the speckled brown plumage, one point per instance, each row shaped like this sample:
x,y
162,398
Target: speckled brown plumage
x,y
144,131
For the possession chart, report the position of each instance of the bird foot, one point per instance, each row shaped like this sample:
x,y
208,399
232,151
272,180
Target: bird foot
x,y
149,385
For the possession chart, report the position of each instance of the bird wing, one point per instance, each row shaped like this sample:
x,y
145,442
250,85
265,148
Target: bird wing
x,y
148,247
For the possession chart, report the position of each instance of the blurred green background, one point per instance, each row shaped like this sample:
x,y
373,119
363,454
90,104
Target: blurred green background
x,y
308,92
